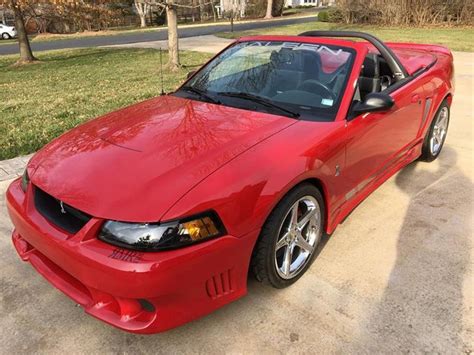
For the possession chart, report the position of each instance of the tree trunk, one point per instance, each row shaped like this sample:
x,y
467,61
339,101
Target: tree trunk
x,y
193,11
214,11
201,10
142,9
269,9
173,49
26,55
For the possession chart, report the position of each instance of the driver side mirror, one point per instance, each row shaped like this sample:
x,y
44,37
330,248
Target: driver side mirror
x,y
190,74
373,102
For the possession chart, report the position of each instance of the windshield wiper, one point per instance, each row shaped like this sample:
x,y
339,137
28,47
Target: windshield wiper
x,y
201,93
258,99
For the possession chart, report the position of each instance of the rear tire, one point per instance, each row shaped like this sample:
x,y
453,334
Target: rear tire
x,y
436,135
288,241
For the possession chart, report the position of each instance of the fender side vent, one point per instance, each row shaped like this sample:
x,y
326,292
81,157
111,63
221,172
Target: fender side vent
x,y
220,285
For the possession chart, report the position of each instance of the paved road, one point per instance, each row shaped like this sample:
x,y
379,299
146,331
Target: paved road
x,y
160,34
396,277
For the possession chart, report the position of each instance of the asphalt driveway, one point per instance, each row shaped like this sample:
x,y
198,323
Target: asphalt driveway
x,y
396,276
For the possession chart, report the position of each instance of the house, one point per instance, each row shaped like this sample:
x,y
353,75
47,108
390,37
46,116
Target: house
x,y
226,6
294,3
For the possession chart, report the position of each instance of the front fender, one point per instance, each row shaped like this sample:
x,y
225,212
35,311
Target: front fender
x,y
245,190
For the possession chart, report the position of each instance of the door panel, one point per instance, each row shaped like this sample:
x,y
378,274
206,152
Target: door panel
x,y
408,114
376,140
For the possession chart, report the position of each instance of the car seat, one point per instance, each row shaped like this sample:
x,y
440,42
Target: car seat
x,y
369,80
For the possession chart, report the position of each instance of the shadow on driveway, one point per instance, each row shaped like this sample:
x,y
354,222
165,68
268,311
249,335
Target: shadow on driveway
x,y
422,306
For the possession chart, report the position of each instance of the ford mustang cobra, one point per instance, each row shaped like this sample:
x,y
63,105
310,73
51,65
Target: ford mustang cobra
x,y
153,215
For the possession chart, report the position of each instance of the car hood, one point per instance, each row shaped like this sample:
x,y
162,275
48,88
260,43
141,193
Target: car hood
x,y
135,163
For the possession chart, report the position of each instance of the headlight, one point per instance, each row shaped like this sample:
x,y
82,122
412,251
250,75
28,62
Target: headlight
x,y
25,180
169,235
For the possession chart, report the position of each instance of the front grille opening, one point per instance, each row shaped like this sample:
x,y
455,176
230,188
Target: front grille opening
x,y
61,215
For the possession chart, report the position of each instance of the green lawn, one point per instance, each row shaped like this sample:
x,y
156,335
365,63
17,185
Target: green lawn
x,y
40,101
457,38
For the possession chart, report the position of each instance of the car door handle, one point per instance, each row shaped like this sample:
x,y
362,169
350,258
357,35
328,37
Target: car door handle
x,y
416,98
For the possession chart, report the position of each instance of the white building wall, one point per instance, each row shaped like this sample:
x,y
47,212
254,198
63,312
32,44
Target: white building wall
x,y
293,3
228,5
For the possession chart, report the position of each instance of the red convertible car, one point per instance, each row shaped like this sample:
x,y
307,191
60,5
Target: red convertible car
x,y
152,216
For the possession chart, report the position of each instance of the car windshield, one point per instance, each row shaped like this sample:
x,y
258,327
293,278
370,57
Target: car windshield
x,y
287,78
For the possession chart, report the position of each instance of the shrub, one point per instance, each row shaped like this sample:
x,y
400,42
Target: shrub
x,y
323,16
406,12
334,15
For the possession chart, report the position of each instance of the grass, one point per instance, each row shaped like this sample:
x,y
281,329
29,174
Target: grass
x,y
40,101
456,38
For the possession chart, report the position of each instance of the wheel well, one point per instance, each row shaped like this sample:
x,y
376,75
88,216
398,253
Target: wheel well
x,y
316,183
449,98
321,187
312,181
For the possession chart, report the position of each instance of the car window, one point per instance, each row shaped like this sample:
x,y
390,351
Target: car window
x,y
308,79
240,62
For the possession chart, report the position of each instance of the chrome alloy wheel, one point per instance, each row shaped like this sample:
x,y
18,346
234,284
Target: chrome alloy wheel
x,y
298,237
440,128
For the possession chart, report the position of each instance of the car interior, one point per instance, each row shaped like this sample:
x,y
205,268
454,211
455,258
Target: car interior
x,y
305,79
289,76
375,76
301,79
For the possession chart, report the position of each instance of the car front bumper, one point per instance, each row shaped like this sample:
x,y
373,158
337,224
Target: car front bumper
x,y
134,291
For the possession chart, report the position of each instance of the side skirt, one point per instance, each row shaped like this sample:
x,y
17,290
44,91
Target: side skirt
x,y
378,180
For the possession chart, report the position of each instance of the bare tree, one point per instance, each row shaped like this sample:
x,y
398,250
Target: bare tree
x,y
193,11
214,14
269,9
143,8
26,55
201,10
2,16
173,48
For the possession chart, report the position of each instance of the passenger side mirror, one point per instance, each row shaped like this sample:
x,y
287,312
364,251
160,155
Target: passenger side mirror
x,y
373,102
190,74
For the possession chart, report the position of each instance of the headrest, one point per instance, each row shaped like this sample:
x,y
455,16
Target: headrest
x,y
289,59
311,62
371,67
282,58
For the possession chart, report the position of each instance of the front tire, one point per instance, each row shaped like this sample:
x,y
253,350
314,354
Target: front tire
x,y
287,244
436,135
6,36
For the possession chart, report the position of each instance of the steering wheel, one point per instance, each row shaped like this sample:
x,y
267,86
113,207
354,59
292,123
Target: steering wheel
x,y
316,87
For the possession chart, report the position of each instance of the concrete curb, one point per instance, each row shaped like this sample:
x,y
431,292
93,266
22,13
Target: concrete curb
x,y
13,168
